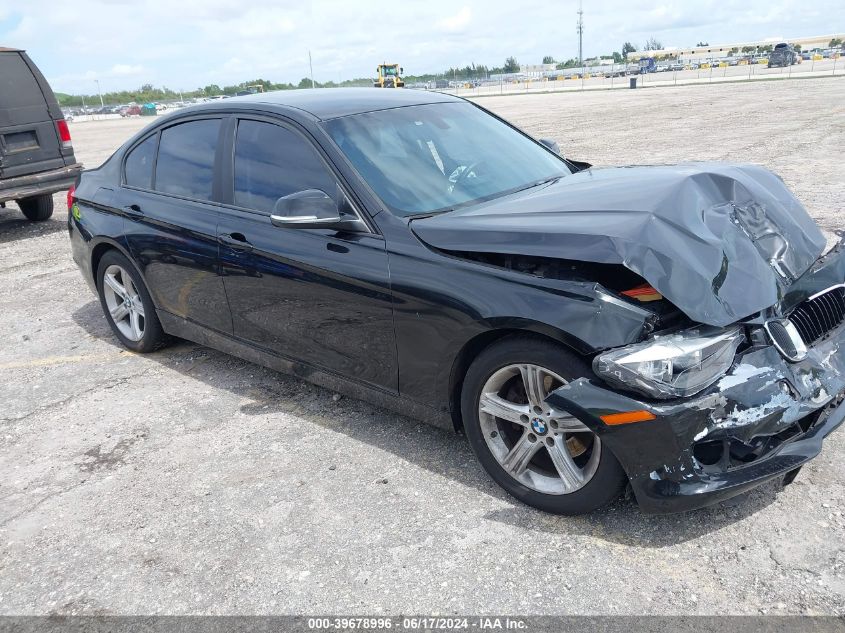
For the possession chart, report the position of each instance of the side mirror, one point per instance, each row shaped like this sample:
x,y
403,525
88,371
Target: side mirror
x,y
311,209
402,70
551,145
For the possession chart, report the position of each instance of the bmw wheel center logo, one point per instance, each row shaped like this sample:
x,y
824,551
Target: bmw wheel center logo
x,y
539,426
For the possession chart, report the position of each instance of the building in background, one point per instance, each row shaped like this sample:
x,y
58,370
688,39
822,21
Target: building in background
x,y
719,51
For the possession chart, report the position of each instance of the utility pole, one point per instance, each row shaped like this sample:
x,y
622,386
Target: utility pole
x,y
311,66
580,34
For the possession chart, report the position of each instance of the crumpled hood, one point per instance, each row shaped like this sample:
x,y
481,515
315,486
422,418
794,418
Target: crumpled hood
x,y
719,241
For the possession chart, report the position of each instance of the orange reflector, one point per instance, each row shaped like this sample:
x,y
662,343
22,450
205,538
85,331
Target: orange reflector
x,y
627,417
643,293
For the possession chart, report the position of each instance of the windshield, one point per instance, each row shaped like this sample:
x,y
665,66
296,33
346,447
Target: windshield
x,y
428,158
389,70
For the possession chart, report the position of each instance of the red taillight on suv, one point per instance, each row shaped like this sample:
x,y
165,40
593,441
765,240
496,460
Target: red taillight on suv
x,y
64,134
70,197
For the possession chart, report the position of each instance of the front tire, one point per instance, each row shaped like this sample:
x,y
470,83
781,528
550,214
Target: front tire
x,y
547,459
37,208
127,305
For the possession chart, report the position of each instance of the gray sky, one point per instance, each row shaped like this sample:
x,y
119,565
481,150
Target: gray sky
x,y
190,43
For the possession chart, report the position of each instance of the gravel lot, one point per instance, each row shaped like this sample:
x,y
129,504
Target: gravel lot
x,y
192,482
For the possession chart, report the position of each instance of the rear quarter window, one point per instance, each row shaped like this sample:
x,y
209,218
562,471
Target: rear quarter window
x,y
138,169
18,86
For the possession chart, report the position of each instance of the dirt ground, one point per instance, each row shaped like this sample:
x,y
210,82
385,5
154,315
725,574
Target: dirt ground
x,y
188,481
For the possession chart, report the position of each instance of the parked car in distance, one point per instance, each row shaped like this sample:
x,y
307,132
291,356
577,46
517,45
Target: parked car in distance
x,y
679,328
36,152
782,55
130,110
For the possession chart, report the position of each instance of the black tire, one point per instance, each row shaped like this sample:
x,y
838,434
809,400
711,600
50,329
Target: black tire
x,y
607,481
153,337
37,208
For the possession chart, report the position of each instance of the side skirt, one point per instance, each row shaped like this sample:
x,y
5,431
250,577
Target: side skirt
x,y
182,328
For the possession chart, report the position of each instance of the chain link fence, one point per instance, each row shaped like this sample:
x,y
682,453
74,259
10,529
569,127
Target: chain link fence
x,y
621,77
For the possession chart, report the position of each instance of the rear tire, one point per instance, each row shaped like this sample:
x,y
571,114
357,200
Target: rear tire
x,y
546,459
37,208
127,305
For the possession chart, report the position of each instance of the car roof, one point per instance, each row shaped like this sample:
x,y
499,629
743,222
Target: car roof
x,y
3,49
330,103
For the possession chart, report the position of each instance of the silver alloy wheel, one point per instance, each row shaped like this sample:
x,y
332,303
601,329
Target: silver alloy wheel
x,y
123,302
546,450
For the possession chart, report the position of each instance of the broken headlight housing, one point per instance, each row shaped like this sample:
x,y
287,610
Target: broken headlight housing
x,y
672,365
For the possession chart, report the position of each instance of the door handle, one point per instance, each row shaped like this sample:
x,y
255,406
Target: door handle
x,y
235,241
133,211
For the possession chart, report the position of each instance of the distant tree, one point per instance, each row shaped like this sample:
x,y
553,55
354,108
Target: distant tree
x,y
749,49
797,48
548,59
652,44
733,52
305,82
627,47
569,63
766,49
617,57
511,65
212,89
703,44
836,41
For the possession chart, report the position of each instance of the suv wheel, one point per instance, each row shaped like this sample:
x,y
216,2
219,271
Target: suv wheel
x,y
127,305
545,458
37,208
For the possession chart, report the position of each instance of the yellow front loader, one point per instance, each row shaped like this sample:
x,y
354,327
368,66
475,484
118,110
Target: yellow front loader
x,y
389,76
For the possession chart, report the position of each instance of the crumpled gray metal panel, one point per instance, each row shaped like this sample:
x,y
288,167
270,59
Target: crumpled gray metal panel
x,y
720,241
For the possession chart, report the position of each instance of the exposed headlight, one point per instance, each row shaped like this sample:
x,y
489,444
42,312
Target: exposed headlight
x,y
672,365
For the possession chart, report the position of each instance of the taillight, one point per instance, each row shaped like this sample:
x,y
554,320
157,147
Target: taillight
x,y
64,134
70,197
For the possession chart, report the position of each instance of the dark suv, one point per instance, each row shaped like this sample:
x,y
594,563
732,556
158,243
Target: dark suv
x,y
783,55
36,153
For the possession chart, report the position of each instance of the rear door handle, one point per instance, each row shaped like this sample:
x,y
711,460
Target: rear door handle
x,y
235,241
133,211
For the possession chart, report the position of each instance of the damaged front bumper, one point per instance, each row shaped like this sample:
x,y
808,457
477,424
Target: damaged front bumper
x,y
763,420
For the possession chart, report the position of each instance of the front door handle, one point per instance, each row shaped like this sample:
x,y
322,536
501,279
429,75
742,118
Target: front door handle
x,y
235,241
133,211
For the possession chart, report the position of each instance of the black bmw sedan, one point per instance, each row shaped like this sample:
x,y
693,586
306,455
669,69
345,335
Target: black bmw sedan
x,y
678,328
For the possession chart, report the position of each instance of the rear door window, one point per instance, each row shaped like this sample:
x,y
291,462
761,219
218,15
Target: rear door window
x,y
139,164
272,161
18,87
185,164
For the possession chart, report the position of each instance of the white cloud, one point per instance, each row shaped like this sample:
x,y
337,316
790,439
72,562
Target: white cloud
x,y
126,70
191,43
457,22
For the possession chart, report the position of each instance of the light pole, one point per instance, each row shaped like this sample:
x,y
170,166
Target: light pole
x,y
97,81
580,30
311,67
